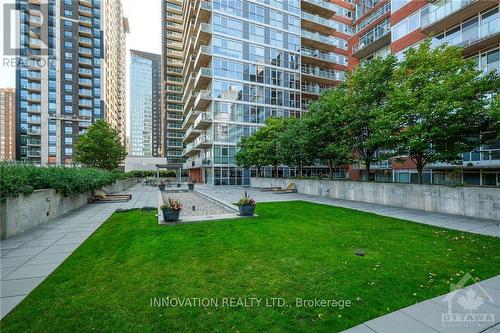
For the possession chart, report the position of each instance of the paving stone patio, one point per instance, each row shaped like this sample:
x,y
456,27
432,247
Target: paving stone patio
x,y
27,259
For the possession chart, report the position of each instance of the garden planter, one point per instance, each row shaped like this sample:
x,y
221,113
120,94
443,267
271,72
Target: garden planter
x,y
161,187
170,215
247,210
190,186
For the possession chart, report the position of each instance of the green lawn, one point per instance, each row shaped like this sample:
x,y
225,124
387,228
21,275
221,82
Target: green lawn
x,y
292,250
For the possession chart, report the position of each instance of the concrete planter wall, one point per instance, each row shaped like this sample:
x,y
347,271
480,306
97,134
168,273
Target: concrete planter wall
x,y
120,185
25,211
467,201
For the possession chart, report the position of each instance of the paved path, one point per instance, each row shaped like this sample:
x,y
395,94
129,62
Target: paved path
x,y
27,259
231,194
443,314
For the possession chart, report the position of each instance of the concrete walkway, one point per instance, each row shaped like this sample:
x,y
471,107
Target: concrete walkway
x,y
231,194
27,259
445,313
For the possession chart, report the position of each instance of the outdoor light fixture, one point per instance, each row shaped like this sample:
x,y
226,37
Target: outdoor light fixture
x,y
360,253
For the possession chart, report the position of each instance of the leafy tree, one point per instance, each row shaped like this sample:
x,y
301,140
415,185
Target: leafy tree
x,y
325,132
249,154
441,103
495,117
100,147
293,148
261,148
268,137
369,122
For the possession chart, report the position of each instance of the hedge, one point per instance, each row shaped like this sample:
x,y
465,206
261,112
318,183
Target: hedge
x,y
151,173
16,178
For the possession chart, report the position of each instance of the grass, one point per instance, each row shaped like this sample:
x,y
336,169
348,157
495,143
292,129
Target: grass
x,y
292,250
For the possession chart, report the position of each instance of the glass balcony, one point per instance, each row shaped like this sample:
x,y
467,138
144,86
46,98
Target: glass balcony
x,y
320,38
34,120
323,7
315,89
377,33
319,20
442,9
471,31
323,73
34,153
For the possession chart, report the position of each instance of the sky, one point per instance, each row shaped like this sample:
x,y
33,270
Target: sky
x,y
145,35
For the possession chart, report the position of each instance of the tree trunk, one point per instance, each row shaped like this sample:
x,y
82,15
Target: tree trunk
x,y
330,169
419,163
367,170
420,178
276,171
300,169
258,171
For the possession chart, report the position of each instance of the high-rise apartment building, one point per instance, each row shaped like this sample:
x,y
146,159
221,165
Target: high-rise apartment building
x,y
115,27
243,62
7,124
172,80
145,104
391,27
60,78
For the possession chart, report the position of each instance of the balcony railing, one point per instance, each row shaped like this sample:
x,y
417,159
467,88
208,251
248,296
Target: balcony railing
x,y
324,4
318,19
327,56
471,35
320,38
324,73
443,9
314,89
372,36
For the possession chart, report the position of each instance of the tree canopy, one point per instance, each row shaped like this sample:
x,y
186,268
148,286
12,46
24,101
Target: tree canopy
x,y
441,105
100,147
369,121
432,106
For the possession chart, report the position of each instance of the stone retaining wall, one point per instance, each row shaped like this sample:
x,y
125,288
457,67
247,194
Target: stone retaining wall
x,y
25,211
477,202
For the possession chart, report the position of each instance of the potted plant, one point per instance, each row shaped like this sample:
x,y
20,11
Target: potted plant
x,y
171,210
161,186
246,205
191,186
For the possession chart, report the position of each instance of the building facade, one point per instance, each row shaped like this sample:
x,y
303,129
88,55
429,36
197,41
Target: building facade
x,y
392,27
245,61
115,27
7,124
145,104
59,78
172,80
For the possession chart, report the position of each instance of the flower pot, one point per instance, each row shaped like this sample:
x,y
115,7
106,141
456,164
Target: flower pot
x,y
190,186
171,215
161,187
247,210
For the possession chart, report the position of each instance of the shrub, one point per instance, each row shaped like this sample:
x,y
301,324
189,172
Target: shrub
x,y
151,173
172,204
246,200
16,178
